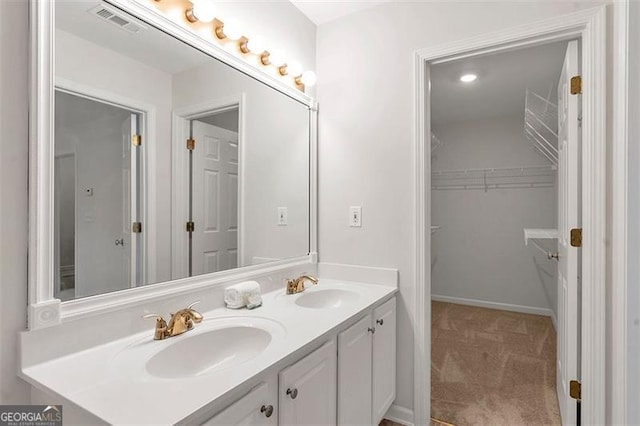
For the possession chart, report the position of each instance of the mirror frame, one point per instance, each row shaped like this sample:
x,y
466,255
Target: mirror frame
x,y
44,309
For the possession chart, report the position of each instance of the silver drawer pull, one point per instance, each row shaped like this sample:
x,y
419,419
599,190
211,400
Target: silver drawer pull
x,y
371,330
293,393
380,321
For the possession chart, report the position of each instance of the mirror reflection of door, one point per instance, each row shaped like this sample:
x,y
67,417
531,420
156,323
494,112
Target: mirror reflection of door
x,y
214,193
96,193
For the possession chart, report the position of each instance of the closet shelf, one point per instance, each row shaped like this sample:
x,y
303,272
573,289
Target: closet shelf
x,y
494,178
541,125
534,234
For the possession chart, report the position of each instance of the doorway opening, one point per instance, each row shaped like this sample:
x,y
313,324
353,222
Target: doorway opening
x,y
207,187
213,192
503,126
588,27
97,196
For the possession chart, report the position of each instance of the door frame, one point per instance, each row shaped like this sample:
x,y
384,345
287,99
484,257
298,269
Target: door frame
x,y
179,176
623,231
147,126
590,27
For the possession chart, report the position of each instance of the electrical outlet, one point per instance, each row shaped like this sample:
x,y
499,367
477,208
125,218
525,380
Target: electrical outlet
x,y
355,216
283,219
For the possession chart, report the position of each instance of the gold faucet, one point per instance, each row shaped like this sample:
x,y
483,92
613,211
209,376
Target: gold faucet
x,y
297,285
181,321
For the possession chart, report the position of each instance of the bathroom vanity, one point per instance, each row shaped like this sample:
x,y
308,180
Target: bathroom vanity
x,y
323,356
156,180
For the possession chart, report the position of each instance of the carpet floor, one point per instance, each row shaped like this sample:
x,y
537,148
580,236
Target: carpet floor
x,y
492,367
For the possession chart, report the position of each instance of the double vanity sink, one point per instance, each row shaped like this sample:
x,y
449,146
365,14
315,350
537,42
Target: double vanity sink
x,y
129,380
236,340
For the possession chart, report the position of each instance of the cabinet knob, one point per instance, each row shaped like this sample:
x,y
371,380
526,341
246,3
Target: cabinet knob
x,y
371,330
267,410
380,321
293,393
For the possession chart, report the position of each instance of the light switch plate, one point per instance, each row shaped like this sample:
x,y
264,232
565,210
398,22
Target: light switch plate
x,y
283,219
355,216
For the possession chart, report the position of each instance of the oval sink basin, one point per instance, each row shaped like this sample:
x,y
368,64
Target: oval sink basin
x,y
327,298
211,346
208,351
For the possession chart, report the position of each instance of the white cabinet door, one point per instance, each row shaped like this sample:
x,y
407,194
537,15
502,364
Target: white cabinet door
x,y
307,390
258,407
384,359
354,373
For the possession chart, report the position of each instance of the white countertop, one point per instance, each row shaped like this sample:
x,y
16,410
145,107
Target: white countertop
x,y
91,380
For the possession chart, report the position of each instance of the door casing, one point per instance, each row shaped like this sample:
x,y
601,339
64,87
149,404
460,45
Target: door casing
x,y
179,176
590,27
146,126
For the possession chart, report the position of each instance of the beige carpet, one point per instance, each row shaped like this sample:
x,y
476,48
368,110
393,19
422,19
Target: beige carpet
x,y
491,367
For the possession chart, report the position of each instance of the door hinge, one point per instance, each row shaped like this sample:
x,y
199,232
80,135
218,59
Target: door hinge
x,y
576,85
575,389
191,144
136,227
136,140
191,226
576,237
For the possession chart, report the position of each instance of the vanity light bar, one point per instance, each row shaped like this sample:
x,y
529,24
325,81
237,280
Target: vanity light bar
x,y
202,11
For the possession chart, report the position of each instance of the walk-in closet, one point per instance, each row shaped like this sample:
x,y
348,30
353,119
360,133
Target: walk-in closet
x,y
495,191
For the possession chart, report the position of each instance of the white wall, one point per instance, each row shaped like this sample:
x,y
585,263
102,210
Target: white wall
x,y
365,91
275,162
479,250
88,64
14,51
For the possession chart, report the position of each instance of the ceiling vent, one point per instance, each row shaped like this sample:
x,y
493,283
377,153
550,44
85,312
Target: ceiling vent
x,y
116,18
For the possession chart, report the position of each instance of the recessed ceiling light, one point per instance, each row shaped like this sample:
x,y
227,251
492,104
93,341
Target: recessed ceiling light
x,y
468,78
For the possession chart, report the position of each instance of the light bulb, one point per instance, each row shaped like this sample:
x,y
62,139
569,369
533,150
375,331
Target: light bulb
x,y
276,58
202,11
294,68
308,78
256,44
232,29
468,78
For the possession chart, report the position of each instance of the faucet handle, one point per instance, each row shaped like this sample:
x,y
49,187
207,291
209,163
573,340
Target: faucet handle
x,y
193,304
161,326
152,316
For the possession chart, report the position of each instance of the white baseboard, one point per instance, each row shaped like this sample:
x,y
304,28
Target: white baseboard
x,y
358,273
400,415
496,305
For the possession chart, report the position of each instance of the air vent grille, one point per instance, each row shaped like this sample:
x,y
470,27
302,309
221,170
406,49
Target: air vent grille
x,y
118,20
104,13
113,17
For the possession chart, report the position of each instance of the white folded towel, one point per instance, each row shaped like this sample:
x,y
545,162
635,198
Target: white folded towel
x,y
242,294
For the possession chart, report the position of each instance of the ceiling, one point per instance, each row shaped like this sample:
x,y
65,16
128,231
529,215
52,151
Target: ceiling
x,y
502,82
321,12
149,46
